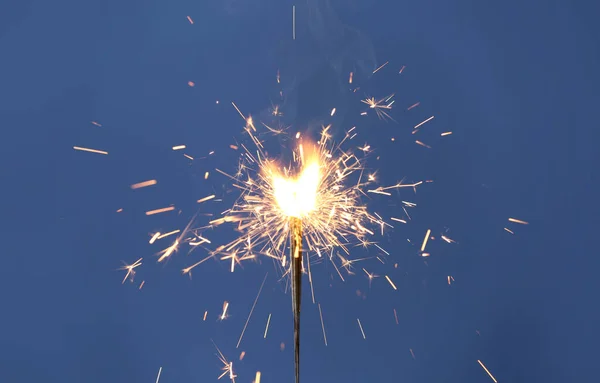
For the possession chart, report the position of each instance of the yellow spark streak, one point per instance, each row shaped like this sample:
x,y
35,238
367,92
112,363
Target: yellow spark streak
x,y
251,311
518,221
425,240
446,134
225,307
130,269
141,285
178,147
323,325
207,198
267,326
414,105
391,283
257,378
168,251
168,234
144,184
422,144
188,157
90,150
154,238
188,269
234,147
510,231
206,175
398,220
423,122
332,112
190,20
350,78
97,124
361,328
158,211
242,355
205,314
449,240
488,371
158,376
384,64
238,110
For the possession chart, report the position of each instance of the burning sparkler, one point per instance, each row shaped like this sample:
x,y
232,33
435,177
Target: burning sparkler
x,y
316,199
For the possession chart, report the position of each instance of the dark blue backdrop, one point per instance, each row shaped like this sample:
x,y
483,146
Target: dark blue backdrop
x,y
515,81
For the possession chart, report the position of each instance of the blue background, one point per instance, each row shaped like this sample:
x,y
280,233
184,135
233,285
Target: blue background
x,y
515,81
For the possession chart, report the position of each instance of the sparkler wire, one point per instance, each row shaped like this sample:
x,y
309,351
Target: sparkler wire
x,y
296,255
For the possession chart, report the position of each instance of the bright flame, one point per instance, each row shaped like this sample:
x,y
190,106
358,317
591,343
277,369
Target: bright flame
x,y
298,197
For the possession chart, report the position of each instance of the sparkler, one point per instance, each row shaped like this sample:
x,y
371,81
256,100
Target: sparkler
x,y
311,203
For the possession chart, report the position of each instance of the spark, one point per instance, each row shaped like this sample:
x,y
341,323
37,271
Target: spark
x,y
425,239
168,251
188,157
398,220
391,283
162,210
293,22
251,311
90,150
332,112
518,221
190,20
267,326
381,66
422,144
227,366
450,279
119,210
323,325
257,378
396,316
350,78
207,198
486,370
141,285
154,238
144,184
206,175
130,269
188,270
158,376
508,230
205,314
414,105
446,134
380,106
97,124
238,110
179,147
161,236
449,240
361,329
224,313
191,84
242,355
402,69
421,123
